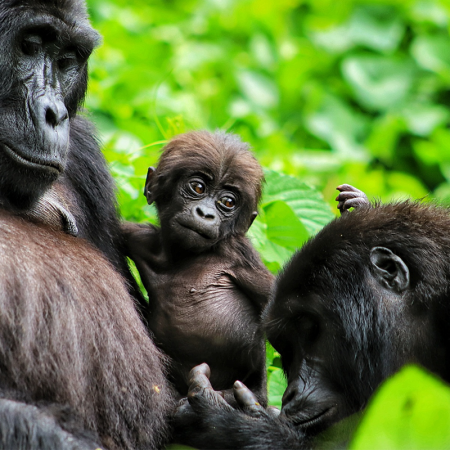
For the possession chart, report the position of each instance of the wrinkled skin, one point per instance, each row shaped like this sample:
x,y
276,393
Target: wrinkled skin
x,y
44,73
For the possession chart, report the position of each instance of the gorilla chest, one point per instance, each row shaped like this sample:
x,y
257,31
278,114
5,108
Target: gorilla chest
x,y
201,303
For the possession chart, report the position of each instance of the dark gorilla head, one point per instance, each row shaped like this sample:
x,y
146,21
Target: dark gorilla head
x,y
368,294
45,46
206,188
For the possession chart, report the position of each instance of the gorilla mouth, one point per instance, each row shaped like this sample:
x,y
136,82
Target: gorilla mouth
x,y
314,420
30,162
197,231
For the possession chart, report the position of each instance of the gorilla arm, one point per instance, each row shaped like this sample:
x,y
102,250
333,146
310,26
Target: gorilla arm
x,y
50,427
252,278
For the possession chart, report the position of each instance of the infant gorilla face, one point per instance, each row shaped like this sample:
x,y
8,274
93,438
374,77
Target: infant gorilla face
x,y
203,210
206,188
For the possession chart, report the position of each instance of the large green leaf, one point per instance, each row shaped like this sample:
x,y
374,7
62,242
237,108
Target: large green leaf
x,y
338,124
432,52
283,226
411,411
378,27
306,202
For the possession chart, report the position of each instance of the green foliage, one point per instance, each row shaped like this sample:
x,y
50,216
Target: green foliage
x,y
329,92
276,381
290,212
410,411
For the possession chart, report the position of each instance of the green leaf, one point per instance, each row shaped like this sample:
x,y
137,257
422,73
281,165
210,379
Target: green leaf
x,y
432,53
339,125
379,82
258,232
270,353
283,226
422,119
259,89
376,26
338,435
277,384
429,11
410,411
306,202
274,256
384,136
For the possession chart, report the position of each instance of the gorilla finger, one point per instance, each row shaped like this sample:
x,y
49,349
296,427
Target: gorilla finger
x,y
183,407
273,411
246,399
208,399
347,187
182,402
342,208
199,378
347,195
201,369
356,202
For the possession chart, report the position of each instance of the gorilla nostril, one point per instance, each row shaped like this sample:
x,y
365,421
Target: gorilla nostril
x,y
54,117
50,117
200,212
205,214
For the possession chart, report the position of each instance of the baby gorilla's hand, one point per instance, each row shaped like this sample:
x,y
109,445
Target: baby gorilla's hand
x,y
350,197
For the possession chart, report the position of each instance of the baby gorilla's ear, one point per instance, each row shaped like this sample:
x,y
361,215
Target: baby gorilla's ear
x,y
252,218
148,184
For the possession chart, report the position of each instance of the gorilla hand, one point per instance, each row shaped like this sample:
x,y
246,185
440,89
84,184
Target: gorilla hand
x,y
206,420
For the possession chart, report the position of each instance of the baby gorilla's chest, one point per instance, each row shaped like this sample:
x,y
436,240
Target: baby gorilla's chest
x,y
203,306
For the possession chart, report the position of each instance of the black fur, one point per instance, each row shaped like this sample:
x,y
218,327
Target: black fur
x,y
368,294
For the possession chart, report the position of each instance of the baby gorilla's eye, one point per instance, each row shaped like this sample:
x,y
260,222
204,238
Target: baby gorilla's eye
x,y
197,187
228,202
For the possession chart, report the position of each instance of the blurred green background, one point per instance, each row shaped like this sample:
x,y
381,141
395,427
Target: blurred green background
x,y
326,92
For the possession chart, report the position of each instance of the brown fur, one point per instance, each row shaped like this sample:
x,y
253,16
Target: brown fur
x,y
221,154
206,293
70,334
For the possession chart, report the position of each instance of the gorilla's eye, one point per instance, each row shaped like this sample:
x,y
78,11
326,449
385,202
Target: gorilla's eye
x,y
31,45
197,187
68,61
228,202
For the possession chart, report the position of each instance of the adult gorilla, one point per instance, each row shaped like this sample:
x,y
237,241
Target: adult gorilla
x,y
77,368
367,295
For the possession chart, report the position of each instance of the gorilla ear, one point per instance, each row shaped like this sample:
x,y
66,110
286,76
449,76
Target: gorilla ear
x,y
389,269
148,183
252,218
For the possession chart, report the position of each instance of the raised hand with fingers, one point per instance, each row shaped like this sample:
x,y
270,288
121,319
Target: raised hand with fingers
x,y
350,197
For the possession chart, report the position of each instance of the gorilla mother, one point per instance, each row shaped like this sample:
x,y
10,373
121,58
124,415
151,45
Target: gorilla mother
x,y
77,368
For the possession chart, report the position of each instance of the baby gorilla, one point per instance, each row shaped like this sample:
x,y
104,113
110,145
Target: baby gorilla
x,y
206,284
